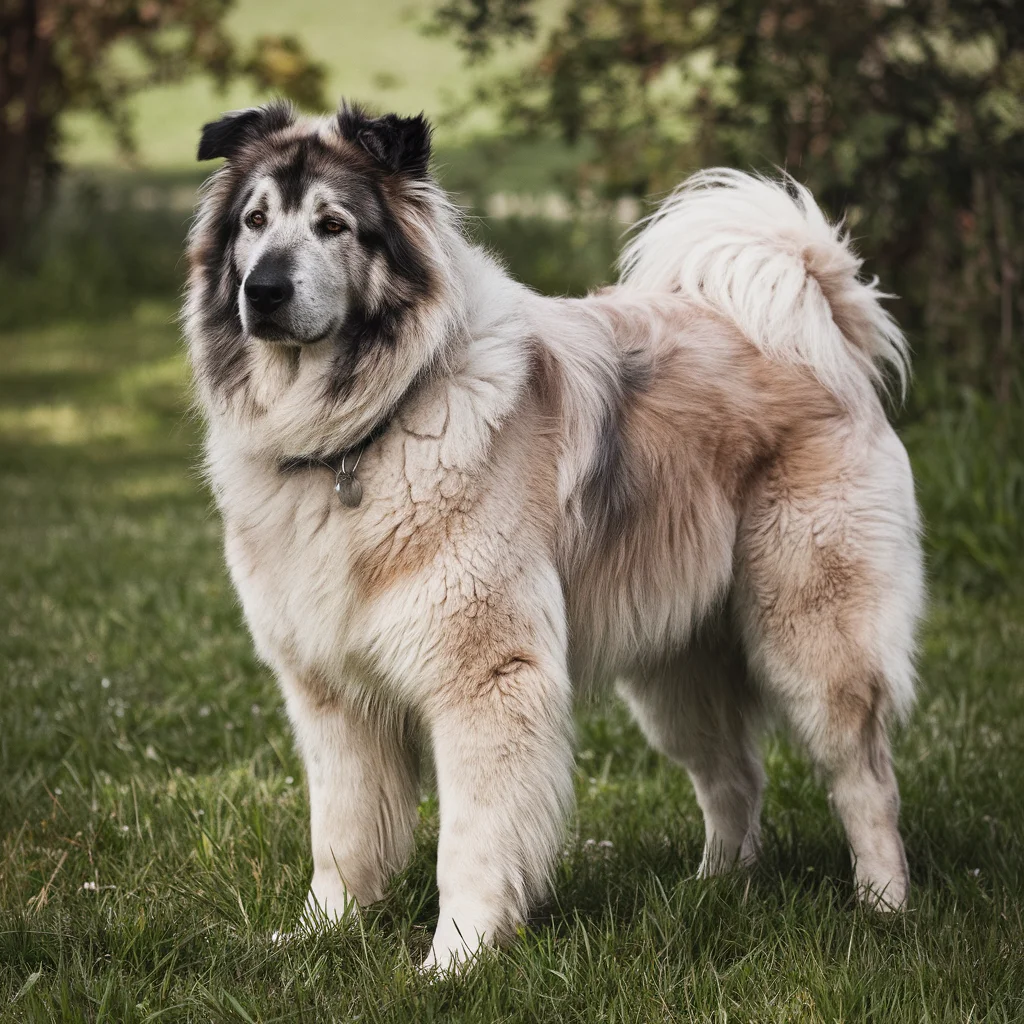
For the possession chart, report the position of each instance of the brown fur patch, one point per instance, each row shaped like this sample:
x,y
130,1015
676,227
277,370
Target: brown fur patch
x,y
689,440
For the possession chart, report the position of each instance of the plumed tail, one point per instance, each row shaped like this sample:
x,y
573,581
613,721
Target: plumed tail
x,y
762,253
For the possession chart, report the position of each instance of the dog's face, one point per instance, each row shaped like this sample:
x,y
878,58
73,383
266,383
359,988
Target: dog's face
x,y
296,253
307,234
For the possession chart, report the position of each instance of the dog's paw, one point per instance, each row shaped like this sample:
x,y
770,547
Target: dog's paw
x,y
316,920
320,915
890,899
449,963
451,955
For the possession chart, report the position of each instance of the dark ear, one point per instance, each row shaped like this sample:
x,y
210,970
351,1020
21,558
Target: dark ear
x,y
239,127
400,144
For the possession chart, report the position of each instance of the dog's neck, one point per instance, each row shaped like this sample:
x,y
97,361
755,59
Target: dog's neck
x,y
344,462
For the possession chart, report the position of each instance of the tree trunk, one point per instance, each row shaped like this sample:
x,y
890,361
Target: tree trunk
x,y
31,88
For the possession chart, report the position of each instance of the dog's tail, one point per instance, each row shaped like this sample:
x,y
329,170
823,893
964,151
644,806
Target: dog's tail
x,y
763,253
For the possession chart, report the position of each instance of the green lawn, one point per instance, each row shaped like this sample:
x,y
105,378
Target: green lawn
x,y
153,818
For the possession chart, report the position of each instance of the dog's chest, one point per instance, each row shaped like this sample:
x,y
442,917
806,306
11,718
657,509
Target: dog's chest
x,y
288,548
315,577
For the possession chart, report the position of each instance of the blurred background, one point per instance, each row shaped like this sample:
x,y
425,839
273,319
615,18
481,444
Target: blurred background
x,y
153,823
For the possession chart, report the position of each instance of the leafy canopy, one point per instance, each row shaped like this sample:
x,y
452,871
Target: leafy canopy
x,y
907,114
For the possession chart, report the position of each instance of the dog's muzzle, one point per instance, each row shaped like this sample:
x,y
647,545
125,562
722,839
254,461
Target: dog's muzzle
x,y
268,287
268,291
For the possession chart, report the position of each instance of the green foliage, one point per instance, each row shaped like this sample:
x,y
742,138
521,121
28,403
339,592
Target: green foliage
x,y
555,257
279,64
67,55
478,22
107,52
906,116
153,820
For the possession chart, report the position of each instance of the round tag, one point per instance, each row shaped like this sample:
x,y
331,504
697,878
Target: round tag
x,y
349,491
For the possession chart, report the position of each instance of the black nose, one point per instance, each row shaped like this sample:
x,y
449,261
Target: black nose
x,y
268,289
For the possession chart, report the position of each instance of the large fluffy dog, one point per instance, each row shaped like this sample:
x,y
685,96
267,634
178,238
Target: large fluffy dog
x,y
447,500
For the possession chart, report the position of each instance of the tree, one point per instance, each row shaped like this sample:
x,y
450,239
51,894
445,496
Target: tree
x,y
908,114
61,55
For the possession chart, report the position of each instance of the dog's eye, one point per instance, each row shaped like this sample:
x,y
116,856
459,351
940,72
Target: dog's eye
x,y
256,219
333,226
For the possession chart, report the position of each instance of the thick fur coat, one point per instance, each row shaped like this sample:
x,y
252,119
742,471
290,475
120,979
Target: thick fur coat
x,y
684,486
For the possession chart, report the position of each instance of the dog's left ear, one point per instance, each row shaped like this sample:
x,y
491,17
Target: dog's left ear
x,y
400,144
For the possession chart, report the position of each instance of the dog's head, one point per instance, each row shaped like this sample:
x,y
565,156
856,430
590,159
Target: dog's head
x,y
313,231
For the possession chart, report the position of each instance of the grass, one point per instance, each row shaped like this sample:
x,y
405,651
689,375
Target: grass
x,y
153,819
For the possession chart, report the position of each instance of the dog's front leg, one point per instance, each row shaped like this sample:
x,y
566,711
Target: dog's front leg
x,y
503,753
362,773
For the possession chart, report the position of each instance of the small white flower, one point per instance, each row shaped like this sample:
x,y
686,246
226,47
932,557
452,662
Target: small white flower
x,y
606,844
288,780
124,828
89,886
204,711
105,683
57,791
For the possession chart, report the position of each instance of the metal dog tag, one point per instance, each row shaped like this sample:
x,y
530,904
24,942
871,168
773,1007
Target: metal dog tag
x,y
349,490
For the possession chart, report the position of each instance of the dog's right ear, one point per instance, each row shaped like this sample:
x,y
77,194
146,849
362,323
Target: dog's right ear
x,y
400,144
240,127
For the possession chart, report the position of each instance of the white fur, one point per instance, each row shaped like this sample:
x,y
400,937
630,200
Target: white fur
x,y
764,253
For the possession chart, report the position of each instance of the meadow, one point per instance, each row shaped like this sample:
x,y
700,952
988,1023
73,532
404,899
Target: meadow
x,y
153,821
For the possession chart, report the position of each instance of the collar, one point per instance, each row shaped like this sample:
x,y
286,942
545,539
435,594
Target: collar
x,y
343,464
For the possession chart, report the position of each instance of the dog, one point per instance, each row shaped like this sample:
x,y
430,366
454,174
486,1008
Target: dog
x,y
450,502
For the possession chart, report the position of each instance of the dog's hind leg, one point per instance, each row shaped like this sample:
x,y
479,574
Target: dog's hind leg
x,y
828,592
362,770
700,711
